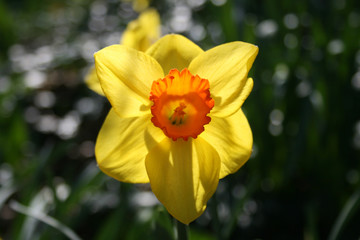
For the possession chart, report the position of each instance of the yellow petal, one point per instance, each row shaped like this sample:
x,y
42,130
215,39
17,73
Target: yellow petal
x,y
126,76
140,5
143,32
93,82
174,51
183,175
226,67
232,139
122,145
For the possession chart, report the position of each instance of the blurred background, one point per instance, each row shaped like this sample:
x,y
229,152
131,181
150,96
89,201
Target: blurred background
x,y
302,181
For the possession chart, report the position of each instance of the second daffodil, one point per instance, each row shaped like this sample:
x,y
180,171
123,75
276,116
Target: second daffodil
x,y
139,34
176,118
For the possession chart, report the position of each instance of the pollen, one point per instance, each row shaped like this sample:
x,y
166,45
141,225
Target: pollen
x,y
181,104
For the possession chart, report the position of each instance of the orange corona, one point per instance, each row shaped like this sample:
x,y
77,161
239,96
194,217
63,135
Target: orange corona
x,y
181,104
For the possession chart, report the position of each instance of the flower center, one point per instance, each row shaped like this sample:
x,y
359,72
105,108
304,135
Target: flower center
x,y
178,116
181,104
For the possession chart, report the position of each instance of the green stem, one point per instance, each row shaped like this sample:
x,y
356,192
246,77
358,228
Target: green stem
x,y
182,231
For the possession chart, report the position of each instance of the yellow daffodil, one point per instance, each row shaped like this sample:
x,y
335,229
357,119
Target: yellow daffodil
x,y
176,118
139,34
139,5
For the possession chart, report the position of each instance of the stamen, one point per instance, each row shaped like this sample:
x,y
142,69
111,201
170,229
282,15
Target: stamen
x,y
178,115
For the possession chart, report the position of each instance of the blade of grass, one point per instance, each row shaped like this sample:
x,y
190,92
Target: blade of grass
x,y
349,209
16,206
5,193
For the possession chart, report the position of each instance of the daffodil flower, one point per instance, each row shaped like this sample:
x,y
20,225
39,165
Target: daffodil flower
x,y
139,5
139,34
176,118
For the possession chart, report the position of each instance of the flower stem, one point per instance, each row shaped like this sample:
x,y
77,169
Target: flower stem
x,y
182,231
